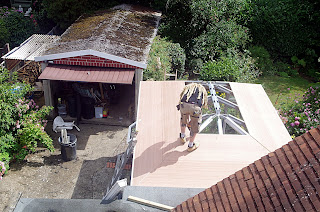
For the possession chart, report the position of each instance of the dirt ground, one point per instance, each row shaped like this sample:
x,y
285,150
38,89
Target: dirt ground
x,y
46,175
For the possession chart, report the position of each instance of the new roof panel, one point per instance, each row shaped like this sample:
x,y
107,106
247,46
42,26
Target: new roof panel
x,y
161,160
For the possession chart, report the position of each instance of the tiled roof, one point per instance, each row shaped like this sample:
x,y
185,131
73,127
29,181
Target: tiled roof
x,y
88,74
284,180
125,31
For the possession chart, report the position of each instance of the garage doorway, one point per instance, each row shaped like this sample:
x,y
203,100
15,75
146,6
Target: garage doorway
x,y
100,103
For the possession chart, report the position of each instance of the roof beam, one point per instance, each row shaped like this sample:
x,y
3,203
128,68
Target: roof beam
x,y
234,126
228,103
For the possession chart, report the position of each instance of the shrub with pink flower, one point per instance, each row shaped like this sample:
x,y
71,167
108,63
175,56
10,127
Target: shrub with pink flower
x,y
2,169
303,114
21,121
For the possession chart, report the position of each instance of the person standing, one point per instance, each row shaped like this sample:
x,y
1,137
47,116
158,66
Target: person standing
x,y
192,98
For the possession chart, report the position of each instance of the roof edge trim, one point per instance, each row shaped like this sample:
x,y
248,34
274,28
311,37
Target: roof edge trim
x,y
91,52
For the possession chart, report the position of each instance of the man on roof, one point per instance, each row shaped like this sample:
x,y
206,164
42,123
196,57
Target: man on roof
x,y
192,98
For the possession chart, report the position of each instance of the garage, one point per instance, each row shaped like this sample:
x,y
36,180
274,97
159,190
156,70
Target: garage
x,y
93,71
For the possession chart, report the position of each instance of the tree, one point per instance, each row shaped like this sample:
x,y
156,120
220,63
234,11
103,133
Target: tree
x,y
286,28
206,29
164,57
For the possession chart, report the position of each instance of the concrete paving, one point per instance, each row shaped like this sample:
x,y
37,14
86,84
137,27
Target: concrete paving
x,y
166,196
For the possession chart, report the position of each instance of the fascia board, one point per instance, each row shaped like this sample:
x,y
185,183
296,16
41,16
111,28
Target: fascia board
x,y
91,52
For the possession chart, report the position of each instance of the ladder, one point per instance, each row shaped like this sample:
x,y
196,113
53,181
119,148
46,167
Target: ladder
x,y
120,164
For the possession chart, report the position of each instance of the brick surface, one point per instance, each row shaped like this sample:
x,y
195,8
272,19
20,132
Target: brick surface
x,y
196,199
209,194
315,133
197,207
221,188
212,205
279,152
274,160
242,183
214,189
202,196
297,206
264,175
239,175
204,205
265,160
259,165
92,61
227,186
225,202
316,204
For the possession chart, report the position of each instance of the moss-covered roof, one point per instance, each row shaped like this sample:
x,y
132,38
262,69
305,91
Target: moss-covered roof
x,y
125,31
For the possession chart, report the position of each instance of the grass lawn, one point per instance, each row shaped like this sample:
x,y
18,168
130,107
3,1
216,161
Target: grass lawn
x,y
284,89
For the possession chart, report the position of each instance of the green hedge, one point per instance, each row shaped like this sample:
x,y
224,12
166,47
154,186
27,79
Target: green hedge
x,y
15,27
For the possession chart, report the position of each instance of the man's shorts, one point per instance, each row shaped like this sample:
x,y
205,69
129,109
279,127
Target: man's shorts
x,y
192,114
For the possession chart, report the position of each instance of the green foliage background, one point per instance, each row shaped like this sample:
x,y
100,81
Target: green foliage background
x,y
165,57
15,27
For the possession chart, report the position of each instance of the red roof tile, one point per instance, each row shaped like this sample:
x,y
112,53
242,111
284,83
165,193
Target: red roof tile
x,y
284,180
88,74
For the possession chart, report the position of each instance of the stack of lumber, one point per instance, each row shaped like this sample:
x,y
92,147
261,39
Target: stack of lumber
x,y
30,72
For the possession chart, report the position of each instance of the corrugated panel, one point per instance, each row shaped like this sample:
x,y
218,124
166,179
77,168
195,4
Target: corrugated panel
x,y
88,74
30,48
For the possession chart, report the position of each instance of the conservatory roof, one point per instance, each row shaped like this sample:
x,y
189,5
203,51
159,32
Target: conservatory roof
x,y
124,31
33,47
160,159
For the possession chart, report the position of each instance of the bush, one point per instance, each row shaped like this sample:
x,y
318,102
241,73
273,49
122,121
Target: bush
x,y
17,27
235,66
315,74
39,12
205,28
285,28
178,59
281,67
22,122
217,38
262,60
4,34
65,12
304,114
164,57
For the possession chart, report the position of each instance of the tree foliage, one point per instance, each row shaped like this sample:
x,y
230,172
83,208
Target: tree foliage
x,y
233,66
165,57
65,12
206,29
285,28
15,27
